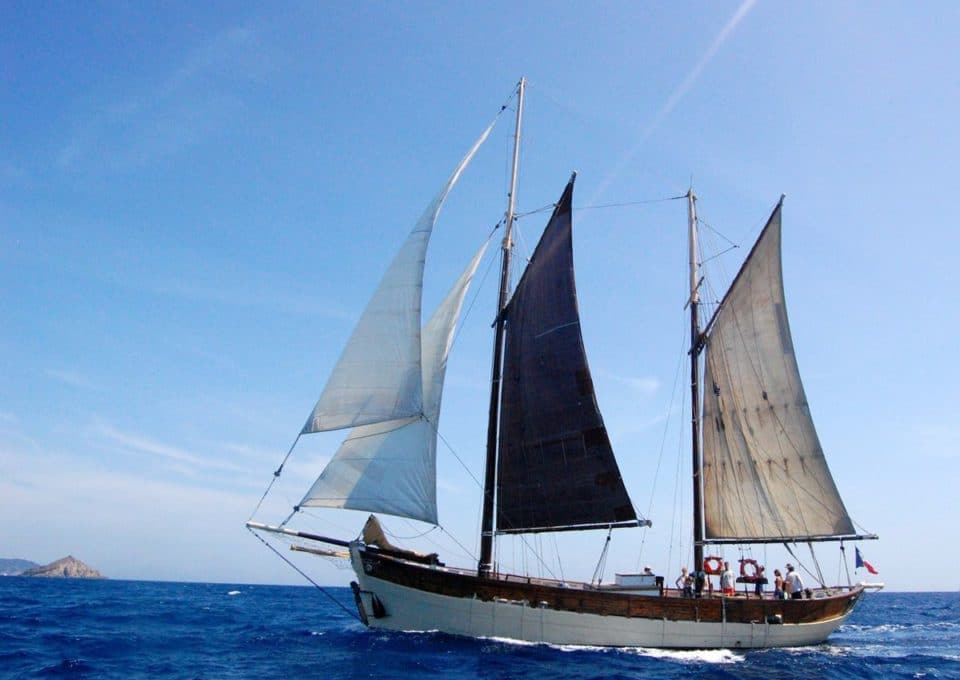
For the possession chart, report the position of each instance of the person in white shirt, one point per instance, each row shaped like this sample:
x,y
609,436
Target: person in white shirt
x,y
685,582
727,580
794,583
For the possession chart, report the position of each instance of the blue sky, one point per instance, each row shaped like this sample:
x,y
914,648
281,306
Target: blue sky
x,y
196,201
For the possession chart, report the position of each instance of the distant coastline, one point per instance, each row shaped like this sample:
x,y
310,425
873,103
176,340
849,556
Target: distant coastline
x,y
15,567
65,567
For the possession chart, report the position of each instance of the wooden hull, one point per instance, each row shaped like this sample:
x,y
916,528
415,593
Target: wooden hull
x,y
394,594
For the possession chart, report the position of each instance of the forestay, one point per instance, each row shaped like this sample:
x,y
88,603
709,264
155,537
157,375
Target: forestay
x,y
378,375
390,467
765,475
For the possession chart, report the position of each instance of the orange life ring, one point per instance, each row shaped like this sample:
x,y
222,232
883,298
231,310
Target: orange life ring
x,y
713,565
755,571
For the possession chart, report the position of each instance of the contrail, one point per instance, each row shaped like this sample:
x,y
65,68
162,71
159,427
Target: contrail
x,y
676,95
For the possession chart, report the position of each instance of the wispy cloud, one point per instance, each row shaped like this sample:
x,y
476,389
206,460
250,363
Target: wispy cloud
x,y
678,93
245,451
646,386
71,378
196,99
185,461
622,427
244,295
225,54
687,83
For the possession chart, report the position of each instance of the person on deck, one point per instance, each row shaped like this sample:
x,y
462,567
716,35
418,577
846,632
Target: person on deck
x,y
758,584
794,583
727,580
685,582
778,593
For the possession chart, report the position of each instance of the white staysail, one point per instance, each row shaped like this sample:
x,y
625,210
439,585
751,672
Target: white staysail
x,y
765,475
390,467
378,376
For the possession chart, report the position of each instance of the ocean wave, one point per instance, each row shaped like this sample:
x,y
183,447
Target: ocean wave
x,y
899,627
710,656
512,641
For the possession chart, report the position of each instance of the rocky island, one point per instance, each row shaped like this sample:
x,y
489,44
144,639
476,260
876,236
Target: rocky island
x,y
67,567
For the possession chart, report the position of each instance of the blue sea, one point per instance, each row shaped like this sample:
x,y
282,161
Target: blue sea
x,y
134,629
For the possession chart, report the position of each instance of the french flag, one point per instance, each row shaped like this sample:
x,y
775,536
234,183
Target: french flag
x,y
863,563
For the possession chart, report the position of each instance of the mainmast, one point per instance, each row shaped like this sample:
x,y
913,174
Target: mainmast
x,y
490,477
696,343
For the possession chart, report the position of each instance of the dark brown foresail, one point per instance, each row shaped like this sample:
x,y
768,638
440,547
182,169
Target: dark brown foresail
x,y
765,475
556,469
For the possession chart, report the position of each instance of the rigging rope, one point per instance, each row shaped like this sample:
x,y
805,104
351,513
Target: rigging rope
x,y
601,565
629,203
408,538
816,563
720,254
556,551
843,558
302,573
459,459
453,538
717,232
276,475
551,206
801,564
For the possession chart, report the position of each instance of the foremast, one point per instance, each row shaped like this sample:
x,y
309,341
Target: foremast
x,y
489,482
696,344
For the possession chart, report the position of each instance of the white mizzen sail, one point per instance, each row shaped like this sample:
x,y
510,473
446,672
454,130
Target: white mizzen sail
x,y
391,467
765,476
378,376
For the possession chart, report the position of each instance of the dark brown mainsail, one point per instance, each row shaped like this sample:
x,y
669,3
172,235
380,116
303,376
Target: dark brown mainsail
x,y
556,467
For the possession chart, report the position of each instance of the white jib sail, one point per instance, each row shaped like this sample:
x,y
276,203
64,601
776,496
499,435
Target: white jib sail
x,y
391,467
378,376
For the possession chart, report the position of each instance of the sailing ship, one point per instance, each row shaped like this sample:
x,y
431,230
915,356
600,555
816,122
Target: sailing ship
x,y
759,472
